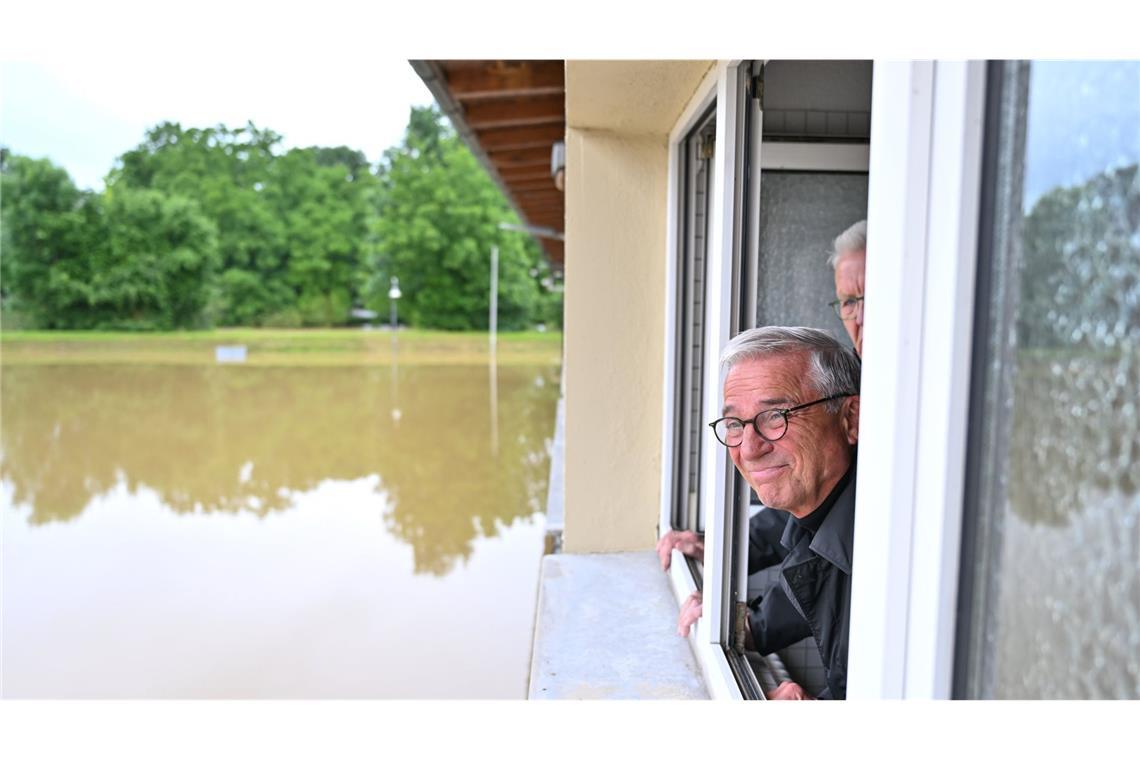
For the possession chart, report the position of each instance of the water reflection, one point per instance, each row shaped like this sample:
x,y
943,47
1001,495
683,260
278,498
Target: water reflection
x,y
134,600
1078,367
1076,422
249,439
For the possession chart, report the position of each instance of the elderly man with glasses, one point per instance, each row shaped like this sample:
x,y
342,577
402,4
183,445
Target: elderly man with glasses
x,y
849,260
791,424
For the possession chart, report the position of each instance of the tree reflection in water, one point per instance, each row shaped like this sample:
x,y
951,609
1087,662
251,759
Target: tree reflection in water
x,y
246,439
1075,431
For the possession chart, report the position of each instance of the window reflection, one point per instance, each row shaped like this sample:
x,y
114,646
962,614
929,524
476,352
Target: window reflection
x,y
1050,575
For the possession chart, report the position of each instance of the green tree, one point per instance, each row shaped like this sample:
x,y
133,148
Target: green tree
x,y
439,217
217,225
157,267
51,229
1080,265
292,228
324,198
5,261
225,171
353,160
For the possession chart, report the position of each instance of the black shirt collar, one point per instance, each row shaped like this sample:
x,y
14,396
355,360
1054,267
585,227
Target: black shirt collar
x,y
835,531
812,521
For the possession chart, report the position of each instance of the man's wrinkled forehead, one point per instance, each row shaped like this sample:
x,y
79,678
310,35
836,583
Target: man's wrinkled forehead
x,y
767,382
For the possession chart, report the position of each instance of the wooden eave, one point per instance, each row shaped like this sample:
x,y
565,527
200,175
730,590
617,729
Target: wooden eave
x,y
510,114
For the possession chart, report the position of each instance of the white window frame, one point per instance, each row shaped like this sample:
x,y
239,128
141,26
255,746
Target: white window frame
x,y
923,196
706,637
814,157
697,106
712,633
926,150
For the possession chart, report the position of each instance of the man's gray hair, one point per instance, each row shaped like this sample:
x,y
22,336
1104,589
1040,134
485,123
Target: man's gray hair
x,y
833,369
851,240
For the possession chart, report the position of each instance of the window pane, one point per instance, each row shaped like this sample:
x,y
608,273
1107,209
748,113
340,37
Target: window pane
x,y
800,215
691,266
1053,523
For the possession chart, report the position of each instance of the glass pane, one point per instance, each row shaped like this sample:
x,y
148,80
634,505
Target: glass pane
x,y
800,215
698,147
1052,573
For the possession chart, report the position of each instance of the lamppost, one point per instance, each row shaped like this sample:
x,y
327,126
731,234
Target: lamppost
x,y
493,320
393,297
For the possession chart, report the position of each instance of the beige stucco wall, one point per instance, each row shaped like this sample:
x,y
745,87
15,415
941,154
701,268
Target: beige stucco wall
x,y
619,115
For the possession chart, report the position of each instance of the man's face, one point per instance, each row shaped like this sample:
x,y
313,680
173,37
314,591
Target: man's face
x,y
798,471
849,284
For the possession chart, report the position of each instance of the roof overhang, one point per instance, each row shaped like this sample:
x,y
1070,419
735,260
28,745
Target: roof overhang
x,y
510,114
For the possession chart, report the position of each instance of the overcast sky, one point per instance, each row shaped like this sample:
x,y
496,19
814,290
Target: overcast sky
x,y
84,116
80,82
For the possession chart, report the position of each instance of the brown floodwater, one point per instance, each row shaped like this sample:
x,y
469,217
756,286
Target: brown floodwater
x,y
245,531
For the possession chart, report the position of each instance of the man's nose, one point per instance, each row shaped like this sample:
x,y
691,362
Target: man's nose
x,y
754,444
859,313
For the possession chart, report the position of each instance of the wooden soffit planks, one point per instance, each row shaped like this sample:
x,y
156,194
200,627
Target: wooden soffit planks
x,y
510,113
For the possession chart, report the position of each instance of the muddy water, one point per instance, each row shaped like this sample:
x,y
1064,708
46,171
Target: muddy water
x,y
241,531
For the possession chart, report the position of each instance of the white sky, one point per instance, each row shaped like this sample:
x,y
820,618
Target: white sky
x,y
81,82
83,117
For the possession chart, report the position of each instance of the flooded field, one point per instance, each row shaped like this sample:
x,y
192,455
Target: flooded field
x,y
289,527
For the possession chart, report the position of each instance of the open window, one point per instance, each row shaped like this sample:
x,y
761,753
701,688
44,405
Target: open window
x,y
998,558
803,181
694,202
769,163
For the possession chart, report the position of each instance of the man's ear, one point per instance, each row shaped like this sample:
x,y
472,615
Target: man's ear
x,y
850,419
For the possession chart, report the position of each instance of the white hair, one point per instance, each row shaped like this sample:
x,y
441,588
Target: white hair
x,y
851,240
833,369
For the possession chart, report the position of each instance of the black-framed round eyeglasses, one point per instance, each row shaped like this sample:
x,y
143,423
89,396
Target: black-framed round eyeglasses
x,y
770,424
846,308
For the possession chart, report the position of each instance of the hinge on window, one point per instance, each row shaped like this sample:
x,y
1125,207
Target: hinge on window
x,y
738,626
756,87
708,146
756,83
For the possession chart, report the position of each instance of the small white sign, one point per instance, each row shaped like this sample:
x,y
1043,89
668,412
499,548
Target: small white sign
x,y
229,354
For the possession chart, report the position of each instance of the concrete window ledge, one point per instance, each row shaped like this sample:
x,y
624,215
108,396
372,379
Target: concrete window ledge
x,y
606,629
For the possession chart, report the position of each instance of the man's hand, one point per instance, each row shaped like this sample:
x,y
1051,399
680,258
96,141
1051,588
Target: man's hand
x,y
685,541
788,690
690,613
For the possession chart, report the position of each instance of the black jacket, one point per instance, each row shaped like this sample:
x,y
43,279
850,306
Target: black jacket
x,y
813,595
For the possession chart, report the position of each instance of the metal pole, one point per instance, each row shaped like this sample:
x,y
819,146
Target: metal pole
x,y
493,371
494,316
492,338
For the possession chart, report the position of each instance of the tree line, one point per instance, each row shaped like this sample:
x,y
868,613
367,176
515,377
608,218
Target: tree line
x,y
221,227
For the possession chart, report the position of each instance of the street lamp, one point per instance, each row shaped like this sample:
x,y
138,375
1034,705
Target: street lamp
x,y
393,297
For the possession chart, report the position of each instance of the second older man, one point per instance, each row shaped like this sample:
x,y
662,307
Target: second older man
x,y
849,261
791,423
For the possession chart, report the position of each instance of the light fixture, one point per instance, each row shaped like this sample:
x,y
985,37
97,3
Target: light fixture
x,y
558,164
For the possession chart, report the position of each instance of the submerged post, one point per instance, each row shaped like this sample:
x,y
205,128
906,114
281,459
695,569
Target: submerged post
x,y
494,316
492,339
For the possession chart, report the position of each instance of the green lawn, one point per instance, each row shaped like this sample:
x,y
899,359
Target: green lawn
x,y
277,347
